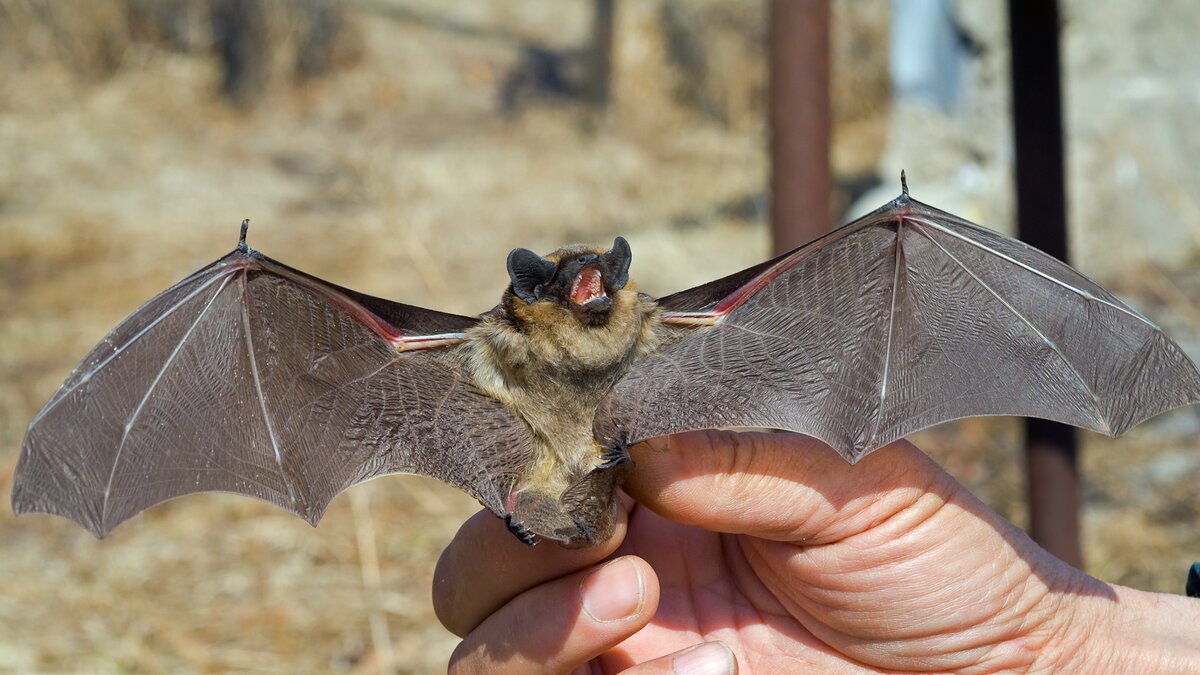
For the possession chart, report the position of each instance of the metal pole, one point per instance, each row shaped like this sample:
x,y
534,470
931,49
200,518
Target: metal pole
x,y
801,181
1051,451
602,44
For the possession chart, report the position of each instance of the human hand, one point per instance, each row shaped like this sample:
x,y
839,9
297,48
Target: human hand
x,y
890,564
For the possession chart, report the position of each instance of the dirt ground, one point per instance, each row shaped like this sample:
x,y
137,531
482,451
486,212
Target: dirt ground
x,y
400,177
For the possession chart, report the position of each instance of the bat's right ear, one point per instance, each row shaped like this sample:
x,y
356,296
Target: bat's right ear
x,y
529,272
618,259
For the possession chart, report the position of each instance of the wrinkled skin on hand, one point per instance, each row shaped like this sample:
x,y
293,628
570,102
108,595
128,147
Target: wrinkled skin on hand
x,y
775,549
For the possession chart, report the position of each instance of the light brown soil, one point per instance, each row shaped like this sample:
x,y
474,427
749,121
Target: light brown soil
x,y
398,178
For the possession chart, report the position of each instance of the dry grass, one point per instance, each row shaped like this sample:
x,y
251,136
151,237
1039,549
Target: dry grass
x,y
398,178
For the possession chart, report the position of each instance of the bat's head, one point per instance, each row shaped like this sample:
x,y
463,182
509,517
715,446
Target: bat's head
x,y
583,280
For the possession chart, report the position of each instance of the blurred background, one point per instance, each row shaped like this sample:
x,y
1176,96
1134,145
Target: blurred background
x,y
403,147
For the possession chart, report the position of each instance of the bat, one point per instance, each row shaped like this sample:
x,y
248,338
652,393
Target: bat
x,y
253,377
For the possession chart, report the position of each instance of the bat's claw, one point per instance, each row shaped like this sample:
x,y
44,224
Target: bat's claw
x,y
523,533
587,532
617,453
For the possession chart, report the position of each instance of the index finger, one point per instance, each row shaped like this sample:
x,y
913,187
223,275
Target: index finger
x,y
485,566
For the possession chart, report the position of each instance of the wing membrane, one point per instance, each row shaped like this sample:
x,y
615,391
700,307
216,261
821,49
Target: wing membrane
x,y
903,319
254,378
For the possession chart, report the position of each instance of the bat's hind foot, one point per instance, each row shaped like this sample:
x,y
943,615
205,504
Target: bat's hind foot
x,y
616,453
523,533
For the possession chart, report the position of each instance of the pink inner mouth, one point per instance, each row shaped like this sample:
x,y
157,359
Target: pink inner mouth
x,y
588,286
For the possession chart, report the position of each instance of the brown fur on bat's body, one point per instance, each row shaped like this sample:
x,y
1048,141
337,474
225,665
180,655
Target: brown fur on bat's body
x,y
552,367
250,376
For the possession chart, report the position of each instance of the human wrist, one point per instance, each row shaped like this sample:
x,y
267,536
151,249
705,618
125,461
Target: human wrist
x,y
1124,630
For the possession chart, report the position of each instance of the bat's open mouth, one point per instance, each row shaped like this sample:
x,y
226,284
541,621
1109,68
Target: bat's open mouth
x,y
588,286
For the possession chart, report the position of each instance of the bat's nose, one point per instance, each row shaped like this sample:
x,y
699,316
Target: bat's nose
x,y
589,259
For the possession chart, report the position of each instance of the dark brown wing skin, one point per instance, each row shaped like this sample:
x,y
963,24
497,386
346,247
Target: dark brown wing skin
x,y
254,378
903,319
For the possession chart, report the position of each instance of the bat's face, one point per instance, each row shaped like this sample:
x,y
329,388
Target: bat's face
x,y
581,280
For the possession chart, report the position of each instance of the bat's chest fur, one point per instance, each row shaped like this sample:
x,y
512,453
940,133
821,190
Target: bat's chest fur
x,y
553,372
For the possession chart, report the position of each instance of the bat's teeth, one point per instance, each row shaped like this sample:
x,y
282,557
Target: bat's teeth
x,y
588,286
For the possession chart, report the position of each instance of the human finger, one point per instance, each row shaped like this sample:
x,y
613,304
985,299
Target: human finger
x,y
779,486
706,658
485,566
564,623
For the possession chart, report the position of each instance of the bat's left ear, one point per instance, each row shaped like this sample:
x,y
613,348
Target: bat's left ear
x,y
529,273
617,260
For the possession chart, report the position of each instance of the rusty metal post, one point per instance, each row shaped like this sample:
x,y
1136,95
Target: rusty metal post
x,y
603,12
801,181
1051,451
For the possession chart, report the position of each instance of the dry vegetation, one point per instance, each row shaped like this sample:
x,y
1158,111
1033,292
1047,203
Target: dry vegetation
x,y
122,169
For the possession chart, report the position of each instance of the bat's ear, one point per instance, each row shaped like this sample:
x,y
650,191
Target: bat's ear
x,y
617,260
529,272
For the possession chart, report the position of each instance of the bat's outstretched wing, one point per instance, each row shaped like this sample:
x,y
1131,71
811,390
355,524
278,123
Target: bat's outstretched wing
x,y
903,319
252,377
